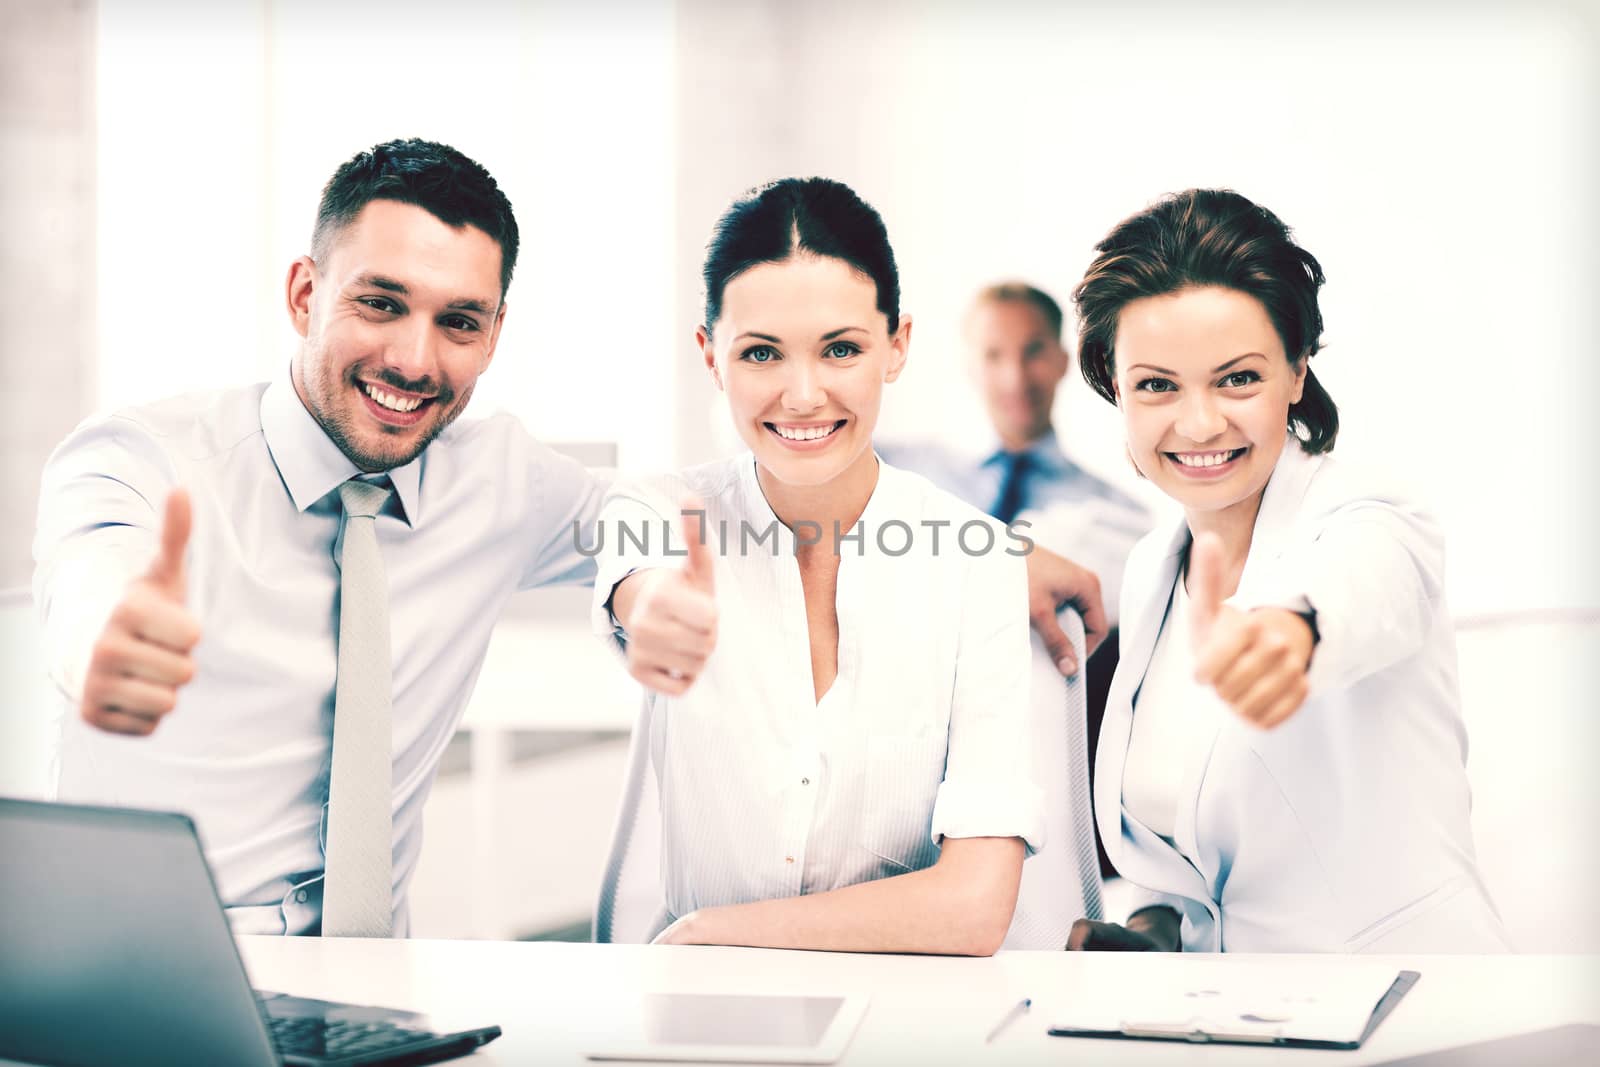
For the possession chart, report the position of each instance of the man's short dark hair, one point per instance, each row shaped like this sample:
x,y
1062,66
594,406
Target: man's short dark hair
x,y
435,177
1022,292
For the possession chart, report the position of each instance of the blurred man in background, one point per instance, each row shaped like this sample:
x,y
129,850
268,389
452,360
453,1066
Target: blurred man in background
x,y
1013,336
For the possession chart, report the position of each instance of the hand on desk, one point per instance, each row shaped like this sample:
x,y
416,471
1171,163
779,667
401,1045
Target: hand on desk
x,y
1255,660
1153,929
679,933
142,657
670,614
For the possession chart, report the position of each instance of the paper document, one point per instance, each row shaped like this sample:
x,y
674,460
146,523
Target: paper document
x,y
1261,998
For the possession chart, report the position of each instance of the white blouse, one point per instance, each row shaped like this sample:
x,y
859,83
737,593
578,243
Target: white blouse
x,y
1171,715
768,793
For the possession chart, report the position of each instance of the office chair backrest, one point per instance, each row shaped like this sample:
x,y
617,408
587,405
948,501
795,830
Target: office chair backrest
x,y
631,898
1062,883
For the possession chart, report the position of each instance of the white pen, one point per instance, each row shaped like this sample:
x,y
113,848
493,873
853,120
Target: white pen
x,y
1011,1016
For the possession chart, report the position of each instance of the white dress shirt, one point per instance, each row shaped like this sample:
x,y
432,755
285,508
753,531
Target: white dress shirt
x,y
484,511
767,792
1067,510
1172,716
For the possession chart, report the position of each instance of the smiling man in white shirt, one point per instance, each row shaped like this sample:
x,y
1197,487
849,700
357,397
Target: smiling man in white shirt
x,y
197,558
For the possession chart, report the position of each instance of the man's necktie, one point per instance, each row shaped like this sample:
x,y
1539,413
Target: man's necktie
x,y
1013,479
356,896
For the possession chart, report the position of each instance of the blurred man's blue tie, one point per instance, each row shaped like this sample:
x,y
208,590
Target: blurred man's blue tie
x,y
1013,482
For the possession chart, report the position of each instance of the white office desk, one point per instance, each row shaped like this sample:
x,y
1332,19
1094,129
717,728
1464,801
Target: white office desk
x,y
925,1010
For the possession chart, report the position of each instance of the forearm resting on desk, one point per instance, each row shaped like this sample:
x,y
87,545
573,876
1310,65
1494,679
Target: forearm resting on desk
x,y
961,906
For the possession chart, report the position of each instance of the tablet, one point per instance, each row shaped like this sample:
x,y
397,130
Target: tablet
x,y
720,1028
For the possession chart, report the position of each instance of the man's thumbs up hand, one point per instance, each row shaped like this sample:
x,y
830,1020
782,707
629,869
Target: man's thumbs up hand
x,y
1255,660
167,569
144,654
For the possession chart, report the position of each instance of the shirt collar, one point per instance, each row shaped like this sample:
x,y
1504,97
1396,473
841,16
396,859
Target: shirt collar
x,y
888,500
885,503
308,461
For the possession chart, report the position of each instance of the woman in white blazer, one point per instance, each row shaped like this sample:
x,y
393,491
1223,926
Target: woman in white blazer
x,y
1282,760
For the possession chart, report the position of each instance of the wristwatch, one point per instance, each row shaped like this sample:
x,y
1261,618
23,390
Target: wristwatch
x,y
1310,615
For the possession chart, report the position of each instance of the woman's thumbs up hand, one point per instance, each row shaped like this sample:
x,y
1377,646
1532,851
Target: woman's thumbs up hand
x,y
1255,660
670,613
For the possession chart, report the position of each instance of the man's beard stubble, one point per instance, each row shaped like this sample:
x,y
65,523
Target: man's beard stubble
x,y
340,423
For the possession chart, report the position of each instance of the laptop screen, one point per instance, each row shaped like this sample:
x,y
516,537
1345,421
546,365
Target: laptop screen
x,y
116,946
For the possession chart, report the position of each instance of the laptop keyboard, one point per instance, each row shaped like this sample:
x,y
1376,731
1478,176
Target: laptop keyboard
x,y
335,1039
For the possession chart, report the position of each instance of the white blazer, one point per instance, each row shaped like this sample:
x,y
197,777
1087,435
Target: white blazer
x,y
1348,827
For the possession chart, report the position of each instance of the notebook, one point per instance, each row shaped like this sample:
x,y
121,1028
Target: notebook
x,y
1333,1003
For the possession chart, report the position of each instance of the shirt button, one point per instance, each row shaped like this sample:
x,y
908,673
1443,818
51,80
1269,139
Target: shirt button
x,y
788,859
805,781
299,896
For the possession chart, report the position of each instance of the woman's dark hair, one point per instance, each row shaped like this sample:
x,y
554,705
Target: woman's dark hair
x,y
1208,237
814,216
435,177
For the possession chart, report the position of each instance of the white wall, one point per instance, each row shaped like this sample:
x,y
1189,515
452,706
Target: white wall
x,y
1438,161
219,124
30,722
1527,699
47,298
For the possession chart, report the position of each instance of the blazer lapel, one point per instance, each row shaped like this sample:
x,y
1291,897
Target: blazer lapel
x,y
1280,508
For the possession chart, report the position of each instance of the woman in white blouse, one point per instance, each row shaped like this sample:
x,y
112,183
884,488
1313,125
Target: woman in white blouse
x,y
838,650
1282,759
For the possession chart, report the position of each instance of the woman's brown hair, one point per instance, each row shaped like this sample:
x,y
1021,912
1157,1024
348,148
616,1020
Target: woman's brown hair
x,y
1208,237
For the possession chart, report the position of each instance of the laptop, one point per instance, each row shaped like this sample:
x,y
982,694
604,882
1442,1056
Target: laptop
x,y
114,948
